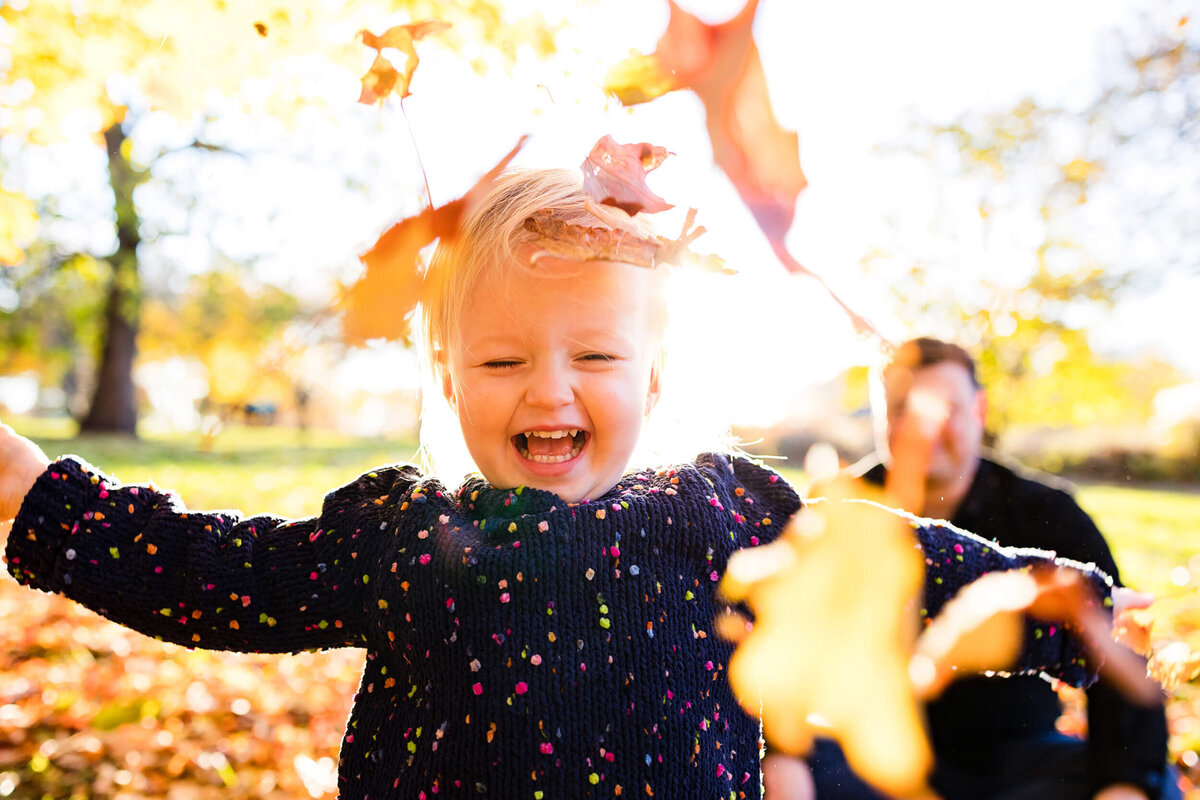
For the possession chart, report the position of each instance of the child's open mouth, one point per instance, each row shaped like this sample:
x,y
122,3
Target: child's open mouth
x,y
550,447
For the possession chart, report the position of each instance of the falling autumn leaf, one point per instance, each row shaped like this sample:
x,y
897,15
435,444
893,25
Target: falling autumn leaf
x,y
615,175
822,644
721,64
383,77
379,304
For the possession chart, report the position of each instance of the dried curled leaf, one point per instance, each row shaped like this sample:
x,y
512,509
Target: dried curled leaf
x,y
379,304
383,77
615,175
832,636
597,243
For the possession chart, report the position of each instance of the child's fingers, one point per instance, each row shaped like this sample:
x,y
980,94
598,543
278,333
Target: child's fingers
x,y
21,462
1125,599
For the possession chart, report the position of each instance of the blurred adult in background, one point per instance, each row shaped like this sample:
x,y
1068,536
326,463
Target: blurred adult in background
x,y
996,739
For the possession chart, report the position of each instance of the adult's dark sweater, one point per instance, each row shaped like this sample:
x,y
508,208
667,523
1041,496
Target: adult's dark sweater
x,y
1127,743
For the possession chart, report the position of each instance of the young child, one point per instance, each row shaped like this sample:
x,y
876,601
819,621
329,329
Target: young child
x,y
542,631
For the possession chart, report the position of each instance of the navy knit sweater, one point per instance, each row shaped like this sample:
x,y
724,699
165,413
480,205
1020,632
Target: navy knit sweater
x,y
518,646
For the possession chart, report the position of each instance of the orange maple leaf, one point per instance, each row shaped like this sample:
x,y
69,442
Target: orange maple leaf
x,y
615,175
379,304
383,78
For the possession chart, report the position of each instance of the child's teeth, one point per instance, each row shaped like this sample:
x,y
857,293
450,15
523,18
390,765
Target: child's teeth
x,y
552,434
576,446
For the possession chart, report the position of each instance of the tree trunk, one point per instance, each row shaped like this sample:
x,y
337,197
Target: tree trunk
x,y
114,406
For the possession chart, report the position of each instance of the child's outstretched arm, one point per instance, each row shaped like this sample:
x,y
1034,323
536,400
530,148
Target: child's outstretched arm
x,y
21,462
215,580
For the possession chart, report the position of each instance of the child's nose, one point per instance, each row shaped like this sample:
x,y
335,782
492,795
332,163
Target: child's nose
x,y
549,387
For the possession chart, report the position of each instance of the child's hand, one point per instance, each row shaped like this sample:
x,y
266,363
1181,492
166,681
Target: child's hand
x,y
21,462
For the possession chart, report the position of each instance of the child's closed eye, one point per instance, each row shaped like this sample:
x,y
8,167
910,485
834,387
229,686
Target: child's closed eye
x,y
501,363
603,358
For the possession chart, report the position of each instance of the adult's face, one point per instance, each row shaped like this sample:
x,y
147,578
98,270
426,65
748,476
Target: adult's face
x,y
956,442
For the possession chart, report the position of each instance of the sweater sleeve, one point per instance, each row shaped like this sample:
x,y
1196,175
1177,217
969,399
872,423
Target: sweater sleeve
x,y
215,580
954,558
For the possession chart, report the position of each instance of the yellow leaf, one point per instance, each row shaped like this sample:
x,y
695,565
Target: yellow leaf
x,y
638,79
832,636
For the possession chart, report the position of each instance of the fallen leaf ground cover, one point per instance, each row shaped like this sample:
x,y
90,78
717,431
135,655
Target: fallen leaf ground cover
x,y
89,709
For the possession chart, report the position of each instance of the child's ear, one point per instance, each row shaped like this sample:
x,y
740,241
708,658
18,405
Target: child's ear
x,y
652,394
447,380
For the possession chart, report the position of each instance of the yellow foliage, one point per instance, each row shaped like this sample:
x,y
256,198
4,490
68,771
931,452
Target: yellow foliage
x,y
180,55
18,224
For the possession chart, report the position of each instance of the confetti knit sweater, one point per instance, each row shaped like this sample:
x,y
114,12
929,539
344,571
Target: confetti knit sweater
x,y
518,646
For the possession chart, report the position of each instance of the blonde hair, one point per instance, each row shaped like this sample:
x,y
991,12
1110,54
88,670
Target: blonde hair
x,y
491,234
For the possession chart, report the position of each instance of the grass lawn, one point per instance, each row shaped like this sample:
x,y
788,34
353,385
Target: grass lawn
x,y
88,709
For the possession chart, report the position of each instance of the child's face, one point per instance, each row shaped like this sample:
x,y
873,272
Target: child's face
x,y
550,375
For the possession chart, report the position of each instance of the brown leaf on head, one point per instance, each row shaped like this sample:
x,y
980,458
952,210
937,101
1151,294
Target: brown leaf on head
x,y
598,243
590,243
615,175
383,77
380,303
